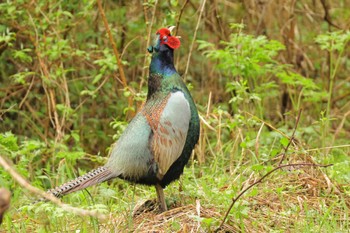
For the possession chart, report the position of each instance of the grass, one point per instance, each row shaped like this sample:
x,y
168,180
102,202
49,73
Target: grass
x,y
292,199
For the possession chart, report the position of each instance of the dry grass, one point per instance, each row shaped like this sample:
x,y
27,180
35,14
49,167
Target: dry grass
x,y
186,217
305,190
284,200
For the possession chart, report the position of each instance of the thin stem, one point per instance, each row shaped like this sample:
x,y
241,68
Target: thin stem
x,y
114,46
330,90
234,200
291,138
180,15
25,184
148,42
327,147
116,53
194,38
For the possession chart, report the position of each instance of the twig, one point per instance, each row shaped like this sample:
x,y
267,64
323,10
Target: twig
x,y
205,122
49,91
268,124
116,53
114,46
327,147
25,184
209,104
4,111
27,93
31,119
194,38
337,131
257,140
149,33
327,17
94,92
234,200
291,138
180,15
127,45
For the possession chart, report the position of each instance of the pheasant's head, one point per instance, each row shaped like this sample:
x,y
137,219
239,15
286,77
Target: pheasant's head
x,y
163,40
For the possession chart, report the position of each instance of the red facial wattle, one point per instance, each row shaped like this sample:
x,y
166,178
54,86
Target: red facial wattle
x,y
166,38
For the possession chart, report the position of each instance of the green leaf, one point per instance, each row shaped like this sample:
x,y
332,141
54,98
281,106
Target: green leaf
x,y
22,55
97,78
9,141
257,167
243,144
21,77
284,141
174,2
72,156
75,136
254,191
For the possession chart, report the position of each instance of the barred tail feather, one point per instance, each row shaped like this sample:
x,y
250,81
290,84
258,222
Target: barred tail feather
x,y
93,177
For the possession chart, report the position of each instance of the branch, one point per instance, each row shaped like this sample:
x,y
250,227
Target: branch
x,y
291,138
116,53
234,200
180,15
149,35
25,184
267,124
194,38
327,17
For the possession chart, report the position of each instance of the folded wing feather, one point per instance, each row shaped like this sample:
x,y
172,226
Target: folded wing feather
x,y
170,134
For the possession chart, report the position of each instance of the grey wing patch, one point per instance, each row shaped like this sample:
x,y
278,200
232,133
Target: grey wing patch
x,y
130,155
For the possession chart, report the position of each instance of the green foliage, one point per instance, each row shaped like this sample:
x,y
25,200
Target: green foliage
x,y
8,142
251,68
333,41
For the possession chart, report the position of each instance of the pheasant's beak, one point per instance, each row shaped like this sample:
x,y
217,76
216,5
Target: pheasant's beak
x,y
155,45
171,28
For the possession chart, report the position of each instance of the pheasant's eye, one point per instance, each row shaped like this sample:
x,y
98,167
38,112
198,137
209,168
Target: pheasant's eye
x,y
165,38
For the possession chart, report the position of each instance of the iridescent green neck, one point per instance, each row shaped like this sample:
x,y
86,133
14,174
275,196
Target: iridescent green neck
x,y
163,62
162,70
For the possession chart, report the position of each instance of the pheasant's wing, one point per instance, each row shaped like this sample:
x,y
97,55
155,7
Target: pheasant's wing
x,y
131,155
169,120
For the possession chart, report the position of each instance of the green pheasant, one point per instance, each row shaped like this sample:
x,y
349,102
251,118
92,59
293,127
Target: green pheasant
x,y
159,140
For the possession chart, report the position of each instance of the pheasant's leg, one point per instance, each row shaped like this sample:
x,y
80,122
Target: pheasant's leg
x,y
161,198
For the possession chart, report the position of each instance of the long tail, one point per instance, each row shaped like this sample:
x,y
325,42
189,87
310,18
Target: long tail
x,y
93,177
